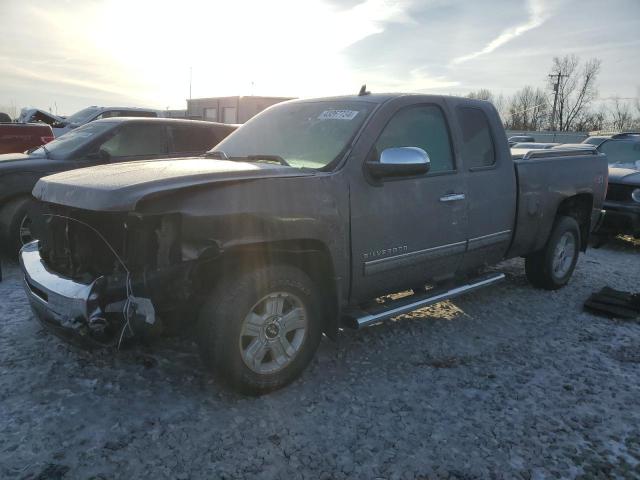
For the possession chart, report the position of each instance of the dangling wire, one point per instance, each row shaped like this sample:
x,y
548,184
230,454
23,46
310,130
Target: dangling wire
x,y
129,289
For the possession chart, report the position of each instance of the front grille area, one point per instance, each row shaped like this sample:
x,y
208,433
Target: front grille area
x,y
81,245
619,193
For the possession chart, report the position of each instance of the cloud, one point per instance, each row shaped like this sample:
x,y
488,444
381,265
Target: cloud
x,y
416,80
537,16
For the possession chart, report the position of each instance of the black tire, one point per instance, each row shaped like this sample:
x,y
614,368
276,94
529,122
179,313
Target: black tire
x,y
12,218
220,326
540,266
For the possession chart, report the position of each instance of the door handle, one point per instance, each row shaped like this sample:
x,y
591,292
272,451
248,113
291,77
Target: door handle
x,y
452,197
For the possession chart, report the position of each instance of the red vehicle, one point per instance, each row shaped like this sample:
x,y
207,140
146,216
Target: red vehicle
x,y
19,137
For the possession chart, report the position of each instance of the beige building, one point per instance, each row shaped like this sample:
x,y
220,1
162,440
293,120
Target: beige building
x,y
229,109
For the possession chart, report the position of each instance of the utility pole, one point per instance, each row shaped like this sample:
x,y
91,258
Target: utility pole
x,y
556,87
190,78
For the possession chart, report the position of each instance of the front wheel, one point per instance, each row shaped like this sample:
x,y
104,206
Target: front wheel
x,y
552,267
260,329
16,218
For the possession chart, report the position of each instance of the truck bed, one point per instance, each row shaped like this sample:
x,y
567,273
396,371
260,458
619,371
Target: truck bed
x,y
575,172
18,137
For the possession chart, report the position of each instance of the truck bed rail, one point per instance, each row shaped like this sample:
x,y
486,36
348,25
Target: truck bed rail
x,y
559,152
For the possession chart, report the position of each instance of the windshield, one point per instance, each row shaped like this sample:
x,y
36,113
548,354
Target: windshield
x,y
304,134
71,141
594,140
83,115
621,152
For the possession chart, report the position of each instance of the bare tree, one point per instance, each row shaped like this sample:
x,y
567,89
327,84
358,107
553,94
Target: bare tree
x,y
620,113
499,101
482,94
636,120
527,109
576,87
591,121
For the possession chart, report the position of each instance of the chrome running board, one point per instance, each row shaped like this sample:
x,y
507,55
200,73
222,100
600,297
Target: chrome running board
x,y
360,318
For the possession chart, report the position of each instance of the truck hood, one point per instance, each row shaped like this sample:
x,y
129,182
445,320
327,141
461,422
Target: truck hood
x,y
19,162
119,187
12,157
625,176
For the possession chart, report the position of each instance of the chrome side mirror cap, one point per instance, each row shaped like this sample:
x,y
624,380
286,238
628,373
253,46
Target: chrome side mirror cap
x,y
400,162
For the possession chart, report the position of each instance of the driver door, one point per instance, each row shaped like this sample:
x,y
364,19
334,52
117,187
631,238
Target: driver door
x,y
407,231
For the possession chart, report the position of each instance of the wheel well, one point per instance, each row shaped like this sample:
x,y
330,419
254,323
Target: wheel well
x,y
310,256
7,210
579,207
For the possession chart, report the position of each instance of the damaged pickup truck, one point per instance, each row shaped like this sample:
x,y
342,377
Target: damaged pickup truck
x,y
298,221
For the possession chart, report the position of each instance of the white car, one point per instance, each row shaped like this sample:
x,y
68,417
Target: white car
x,y
62,125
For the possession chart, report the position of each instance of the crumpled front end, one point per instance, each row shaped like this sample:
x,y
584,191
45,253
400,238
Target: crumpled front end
x,y
97,278
76,310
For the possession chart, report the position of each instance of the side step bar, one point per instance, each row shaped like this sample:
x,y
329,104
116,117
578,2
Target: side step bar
x,y
359,318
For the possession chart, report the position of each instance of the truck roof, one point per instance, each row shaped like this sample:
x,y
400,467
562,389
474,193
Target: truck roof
x,y
369,97
162,120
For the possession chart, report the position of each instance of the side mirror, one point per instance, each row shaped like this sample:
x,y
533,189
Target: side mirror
x,y
400,162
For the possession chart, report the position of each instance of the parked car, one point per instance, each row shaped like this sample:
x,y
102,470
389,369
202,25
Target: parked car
x,y
62,125
19,137
595,140
103,141
535,146
622,204
304,216
520,139
622,149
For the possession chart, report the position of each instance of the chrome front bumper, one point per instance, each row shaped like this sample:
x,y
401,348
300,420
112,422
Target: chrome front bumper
x,y
61,304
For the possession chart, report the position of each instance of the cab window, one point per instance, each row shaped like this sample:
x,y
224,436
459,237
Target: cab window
x,y
421,126
477,142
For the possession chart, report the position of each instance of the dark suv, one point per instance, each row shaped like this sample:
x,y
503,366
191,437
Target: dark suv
x,y
112,140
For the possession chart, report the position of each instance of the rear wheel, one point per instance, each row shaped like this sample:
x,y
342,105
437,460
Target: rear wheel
x,y
552,267
17,222
260,329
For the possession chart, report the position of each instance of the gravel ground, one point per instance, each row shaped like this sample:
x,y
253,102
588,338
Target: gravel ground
x,y
508,382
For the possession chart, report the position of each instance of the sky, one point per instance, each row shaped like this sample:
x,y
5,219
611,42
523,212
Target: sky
x,y
64,55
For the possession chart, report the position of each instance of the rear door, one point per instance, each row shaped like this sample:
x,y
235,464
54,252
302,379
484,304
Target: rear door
x,y
408,230
190,140
491,183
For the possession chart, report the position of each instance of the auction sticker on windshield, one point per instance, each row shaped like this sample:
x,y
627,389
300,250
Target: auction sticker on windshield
x,y
338,115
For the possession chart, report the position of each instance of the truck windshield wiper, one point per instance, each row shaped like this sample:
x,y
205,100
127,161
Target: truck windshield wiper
x,y
218,154
263,158
46,152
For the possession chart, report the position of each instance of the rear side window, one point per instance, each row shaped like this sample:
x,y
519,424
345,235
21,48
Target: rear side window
x,y
137,113
134,140
108,114
424,127
477,142
192,139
